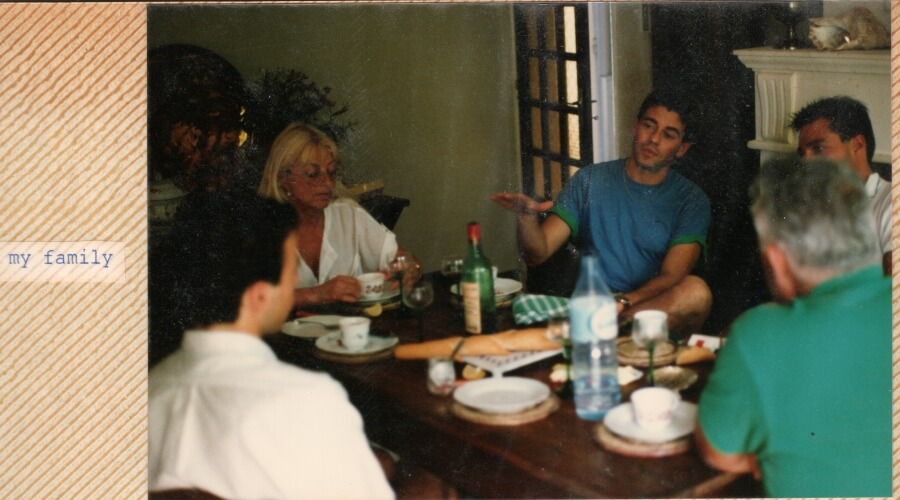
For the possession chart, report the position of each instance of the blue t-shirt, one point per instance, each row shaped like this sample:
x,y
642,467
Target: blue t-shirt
x,y
806,387
631,226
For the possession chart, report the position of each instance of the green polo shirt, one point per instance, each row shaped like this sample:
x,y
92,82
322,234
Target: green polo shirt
x,y
806,387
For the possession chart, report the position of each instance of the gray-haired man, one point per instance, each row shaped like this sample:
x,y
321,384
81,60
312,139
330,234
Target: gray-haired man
x,y
801,392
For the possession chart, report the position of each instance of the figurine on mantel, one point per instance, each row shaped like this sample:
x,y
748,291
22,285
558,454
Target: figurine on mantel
x,y
855,29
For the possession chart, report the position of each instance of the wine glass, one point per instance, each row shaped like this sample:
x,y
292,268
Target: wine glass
x,y
558,331
417,296
399,266
649,328
451,268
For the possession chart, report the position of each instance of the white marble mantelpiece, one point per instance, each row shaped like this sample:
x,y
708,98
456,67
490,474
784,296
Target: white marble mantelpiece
x,y
787,80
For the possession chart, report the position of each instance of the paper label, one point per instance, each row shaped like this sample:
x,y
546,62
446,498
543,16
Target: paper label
x,y
471,297
603,322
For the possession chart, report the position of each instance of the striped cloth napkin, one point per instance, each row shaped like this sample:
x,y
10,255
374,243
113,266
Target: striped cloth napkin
x,y
528,309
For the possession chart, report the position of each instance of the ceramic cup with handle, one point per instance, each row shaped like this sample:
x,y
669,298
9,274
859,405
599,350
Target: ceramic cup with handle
x,y
654,407
354,332
372,284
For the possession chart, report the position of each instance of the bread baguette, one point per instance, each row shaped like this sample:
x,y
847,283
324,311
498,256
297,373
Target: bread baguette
x,y
694,354
529,339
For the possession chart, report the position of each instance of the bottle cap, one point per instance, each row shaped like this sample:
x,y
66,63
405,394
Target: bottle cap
x,y
474,230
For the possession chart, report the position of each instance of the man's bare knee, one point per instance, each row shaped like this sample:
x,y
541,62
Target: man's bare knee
x,y
693,303
696,293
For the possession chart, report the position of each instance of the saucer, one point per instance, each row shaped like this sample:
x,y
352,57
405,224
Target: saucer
x,y
620,420
385,296
331,342
304,330
329,321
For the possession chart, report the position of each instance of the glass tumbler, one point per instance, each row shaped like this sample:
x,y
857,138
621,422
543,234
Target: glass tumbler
x,y
441,376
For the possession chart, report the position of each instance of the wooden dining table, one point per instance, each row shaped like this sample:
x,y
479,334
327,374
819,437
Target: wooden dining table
x,y
556,457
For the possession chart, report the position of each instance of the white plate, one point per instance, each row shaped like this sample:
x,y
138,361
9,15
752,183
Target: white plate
x,y
326,320
504,288
502,395
304,330
620,420
331,342
386,296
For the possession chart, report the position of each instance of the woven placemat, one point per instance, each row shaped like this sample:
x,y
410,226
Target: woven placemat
x,y
533,414
675,377
356,358
628,447
630,354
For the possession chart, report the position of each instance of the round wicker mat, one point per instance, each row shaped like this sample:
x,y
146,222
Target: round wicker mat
x,y
624,446
675,377
533,414
356,358
630,354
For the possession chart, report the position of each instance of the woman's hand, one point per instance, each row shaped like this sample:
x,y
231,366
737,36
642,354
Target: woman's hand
x,y
339,289
413,274
409,267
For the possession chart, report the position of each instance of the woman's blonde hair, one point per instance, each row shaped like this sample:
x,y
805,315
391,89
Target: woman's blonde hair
x,y
293,145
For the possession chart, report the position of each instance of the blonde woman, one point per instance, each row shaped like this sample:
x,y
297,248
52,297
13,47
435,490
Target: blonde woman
x,y
338,239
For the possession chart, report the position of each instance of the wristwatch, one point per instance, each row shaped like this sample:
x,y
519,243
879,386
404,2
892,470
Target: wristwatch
x,y
622,299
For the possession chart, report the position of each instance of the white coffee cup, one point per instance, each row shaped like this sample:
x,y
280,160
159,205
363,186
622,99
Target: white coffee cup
x,y
371,284
654,407
354,332
494,273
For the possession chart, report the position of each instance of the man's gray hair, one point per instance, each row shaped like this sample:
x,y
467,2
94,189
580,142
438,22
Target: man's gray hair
x,y
818,212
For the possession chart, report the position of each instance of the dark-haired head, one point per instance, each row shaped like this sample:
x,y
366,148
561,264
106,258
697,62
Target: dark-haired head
x,y
847,117
677,101
220,244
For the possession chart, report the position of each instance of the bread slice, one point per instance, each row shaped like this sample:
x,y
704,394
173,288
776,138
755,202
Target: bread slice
x,y
694,354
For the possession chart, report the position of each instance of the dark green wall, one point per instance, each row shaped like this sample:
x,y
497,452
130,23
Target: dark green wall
x,y
432,88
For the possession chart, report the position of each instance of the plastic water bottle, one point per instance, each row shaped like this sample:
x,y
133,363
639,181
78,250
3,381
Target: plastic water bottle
x,y
592,319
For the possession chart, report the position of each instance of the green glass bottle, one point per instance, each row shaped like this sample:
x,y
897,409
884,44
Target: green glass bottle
x,y
477,285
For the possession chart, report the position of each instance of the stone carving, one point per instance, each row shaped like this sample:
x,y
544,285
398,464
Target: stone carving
x,y
855,29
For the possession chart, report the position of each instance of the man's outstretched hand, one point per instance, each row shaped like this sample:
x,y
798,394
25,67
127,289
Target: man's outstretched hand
x,y
521,204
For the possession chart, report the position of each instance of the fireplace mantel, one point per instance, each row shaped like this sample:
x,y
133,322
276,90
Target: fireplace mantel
x,y
787,80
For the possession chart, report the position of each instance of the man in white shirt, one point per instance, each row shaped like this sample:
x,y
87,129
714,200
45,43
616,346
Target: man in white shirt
x,y
839,128
225,416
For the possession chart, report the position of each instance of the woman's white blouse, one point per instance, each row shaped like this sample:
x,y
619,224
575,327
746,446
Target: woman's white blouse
x,y
353,243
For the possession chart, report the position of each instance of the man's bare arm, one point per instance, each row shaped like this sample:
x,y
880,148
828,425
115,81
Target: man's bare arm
x,y
678,263
537,241
740,463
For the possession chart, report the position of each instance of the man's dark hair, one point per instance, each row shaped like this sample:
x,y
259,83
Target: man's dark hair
x,y
846,116
220,244
676,101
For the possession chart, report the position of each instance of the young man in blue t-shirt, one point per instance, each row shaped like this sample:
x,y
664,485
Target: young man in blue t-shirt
x,y
646,223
